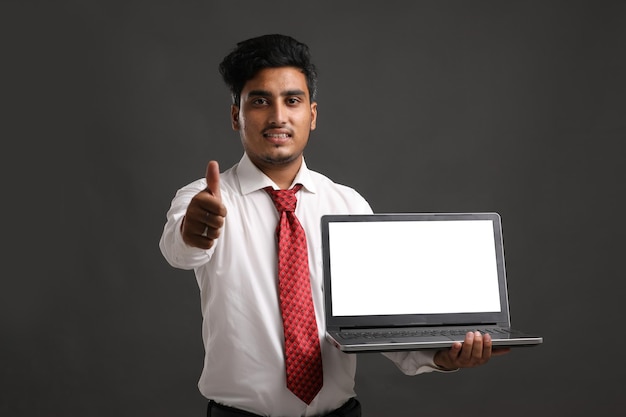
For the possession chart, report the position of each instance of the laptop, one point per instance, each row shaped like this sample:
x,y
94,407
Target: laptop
x,y
414,281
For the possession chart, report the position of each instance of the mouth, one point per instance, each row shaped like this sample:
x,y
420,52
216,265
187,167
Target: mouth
x,y
277,137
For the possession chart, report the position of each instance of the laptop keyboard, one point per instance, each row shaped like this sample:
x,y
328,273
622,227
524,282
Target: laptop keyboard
x,y
386,334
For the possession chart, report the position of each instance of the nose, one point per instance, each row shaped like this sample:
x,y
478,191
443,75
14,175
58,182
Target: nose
x,y
278,114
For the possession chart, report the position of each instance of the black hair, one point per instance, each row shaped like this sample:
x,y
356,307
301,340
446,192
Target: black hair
x,y
267,51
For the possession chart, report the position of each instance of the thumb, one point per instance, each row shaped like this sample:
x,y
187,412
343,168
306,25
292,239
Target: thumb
x,y
213,179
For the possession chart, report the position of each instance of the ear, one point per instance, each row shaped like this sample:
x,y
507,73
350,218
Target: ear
x,y
313,115
234,117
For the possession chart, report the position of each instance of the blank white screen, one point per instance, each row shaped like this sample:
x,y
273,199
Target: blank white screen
x,y
413,267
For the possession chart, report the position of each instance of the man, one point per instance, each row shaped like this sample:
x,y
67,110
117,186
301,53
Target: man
x,y
224,227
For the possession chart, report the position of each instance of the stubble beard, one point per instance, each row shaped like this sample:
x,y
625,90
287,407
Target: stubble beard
x,y
278,160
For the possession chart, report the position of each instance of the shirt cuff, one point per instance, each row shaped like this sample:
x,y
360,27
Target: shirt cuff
x,y
416,362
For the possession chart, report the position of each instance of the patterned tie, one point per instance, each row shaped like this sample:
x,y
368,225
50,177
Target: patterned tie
x,y
303,358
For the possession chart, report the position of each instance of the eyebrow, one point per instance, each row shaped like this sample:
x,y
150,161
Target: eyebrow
x,y
265,93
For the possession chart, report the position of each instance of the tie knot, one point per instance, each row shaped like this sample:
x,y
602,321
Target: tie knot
x,y
284,200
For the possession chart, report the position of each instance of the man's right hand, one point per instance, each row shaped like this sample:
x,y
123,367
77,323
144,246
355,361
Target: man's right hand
x,y
205,214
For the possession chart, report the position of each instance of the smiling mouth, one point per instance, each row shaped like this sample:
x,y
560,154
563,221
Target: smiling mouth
x,y
277,135
277,138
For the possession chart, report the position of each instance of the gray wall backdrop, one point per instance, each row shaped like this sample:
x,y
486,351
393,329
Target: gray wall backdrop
x,y
109,106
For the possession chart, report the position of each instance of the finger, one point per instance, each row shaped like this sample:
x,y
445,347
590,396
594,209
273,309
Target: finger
x,y
487,346
199,235
477,347
487,342
210,233
455,349
454,352
468,345
203,242
213,179
213,220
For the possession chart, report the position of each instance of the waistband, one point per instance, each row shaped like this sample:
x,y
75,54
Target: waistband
x,y
352,408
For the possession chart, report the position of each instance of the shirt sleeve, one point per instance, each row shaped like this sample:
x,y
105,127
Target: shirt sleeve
x,y
415,362
177,253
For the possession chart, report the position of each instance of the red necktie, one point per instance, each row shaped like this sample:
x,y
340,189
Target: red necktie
x,y
303,358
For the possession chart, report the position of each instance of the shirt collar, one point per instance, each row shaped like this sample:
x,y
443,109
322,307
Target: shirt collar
x,y
252,179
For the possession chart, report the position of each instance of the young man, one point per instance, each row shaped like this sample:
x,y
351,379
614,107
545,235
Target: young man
x,y
224,227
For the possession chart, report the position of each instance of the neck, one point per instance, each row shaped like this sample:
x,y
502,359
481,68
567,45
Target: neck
x,y
282,174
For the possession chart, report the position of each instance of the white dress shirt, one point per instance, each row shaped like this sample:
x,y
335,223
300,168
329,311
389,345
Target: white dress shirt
x,y
242,327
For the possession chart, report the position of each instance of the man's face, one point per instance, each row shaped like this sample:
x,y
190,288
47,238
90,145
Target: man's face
x,y
275,117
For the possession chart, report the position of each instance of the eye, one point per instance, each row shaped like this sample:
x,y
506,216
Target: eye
x,y
259,101
293,100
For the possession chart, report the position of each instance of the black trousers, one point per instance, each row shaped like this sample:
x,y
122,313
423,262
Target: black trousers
x,y
352,408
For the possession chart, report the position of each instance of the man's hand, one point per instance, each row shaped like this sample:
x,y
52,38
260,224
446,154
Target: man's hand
x,y
205,214
475,350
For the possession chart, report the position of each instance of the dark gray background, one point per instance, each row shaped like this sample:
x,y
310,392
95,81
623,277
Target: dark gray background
x,y
109,106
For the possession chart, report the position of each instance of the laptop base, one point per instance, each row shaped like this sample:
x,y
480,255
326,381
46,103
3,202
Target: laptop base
x,y
388,340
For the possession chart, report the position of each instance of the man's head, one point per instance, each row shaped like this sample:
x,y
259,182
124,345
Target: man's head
x,y
267,51
272,81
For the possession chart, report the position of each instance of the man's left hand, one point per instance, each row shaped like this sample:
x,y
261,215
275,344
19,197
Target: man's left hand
x,y
475,350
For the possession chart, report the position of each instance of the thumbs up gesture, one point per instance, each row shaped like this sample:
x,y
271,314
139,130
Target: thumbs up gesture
x,y
206,213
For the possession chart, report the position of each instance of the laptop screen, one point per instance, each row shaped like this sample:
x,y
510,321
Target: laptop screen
x,y
427,268
413,267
